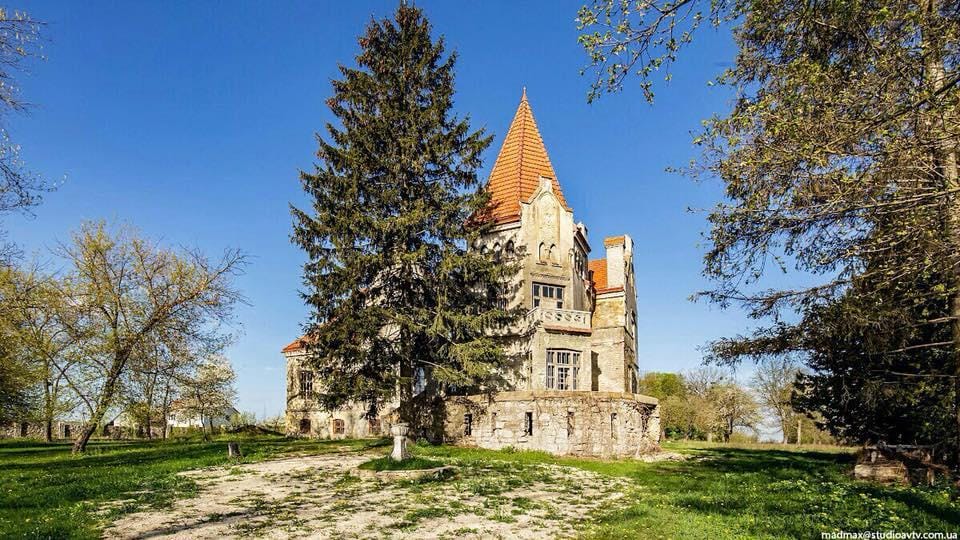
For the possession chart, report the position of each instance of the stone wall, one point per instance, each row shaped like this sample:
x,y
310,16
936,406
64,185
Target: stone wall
x,y
62,429
317,423
598,424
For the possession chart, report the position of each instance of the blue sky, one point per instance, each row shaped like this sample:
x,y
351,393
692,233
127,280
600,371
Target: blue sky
x,y
191,121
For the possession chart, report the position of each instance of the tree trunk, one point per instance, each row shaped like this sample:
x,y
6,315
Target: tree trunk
x,y
103,403
165,409
203,425
47,406
799,434
946,161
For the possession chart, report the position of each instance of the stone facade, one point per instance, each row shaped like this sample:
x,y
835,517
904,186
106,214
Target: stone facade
x,y
583,423
575,390
305,418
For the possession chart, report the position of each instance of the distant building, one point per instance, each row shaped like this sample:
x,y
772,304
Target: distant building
x,y
179,417
576,391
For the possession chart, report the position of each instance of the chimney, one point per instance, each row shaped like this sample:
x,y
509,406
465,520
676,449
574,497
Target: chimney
x,y
619,255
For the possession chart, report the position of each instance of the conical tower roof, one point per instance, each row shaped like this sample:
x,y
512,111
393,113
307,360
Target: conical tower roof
x,y
522,161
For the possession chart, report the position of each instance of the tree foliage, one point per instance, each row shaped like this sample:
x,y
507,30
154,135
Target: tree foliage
x,y
125,291
873,377
209,392
20,188
839,157
395,292
702,404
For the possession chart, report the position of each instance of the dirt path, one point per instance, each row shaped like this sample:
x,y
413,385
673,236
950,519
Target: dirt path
x,y
316,497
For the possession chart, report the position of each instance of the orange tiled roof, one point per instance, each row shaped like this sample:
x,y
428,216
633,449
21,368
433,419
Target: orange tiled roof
x,y
522,161
599,269
296,345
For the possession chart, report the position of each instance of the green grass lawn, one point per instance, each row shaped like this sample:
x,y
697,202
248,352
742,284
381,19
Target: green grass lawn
x,y
758,491
721,492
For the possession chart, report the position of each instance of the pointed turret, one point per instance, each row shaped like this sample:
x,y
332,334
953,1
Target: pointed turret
x,y
522,161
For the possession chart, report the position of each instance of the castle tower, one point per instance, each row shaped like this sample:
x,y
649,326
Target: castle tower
x,y
575,390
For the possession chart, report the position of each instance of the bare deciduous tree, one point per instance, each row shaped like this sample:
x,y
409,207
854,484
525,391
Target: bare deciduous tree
x,y
20,188
125,291
773,382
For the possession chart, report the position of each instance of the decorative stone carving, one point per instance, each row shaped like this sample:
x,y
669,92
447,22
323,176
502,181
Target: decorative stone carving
x,y
563,318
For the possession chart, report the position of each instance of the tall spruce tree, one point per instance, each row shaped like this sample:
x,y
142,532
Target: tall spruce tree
x,y
399,303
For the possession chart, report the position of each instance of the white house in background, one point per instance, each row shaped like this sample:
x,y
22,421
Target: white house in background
x,y
179,418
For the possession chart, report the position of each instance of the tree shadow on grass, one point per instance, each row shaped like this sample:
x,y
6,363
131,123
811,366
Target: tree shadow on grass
x,y
51,478
780,493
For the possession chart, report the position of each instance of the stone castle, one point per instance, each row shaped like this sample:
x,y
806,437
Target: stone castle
x,y
577,390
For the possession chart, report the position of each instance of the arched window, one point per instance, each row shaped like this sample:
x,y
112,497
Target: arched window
x,y
497,251
509,249
542,254
554,254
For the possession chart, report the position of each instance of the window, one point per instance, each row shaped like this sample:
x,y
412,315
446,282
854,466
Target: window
x,y
569,423
419,381
467,425
305,426
547,295
528,423
498,293
339,427
374,425
613,425
306,384
66,431
563,369
580,262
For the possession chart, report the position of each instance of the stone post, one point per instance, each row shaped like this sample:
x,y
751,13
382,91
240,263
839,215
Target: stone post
x,y
233,450
399,432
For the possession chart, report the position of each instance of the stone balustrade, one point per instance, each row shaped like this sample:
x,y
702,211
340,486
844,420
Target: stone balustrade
x,y
560,318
